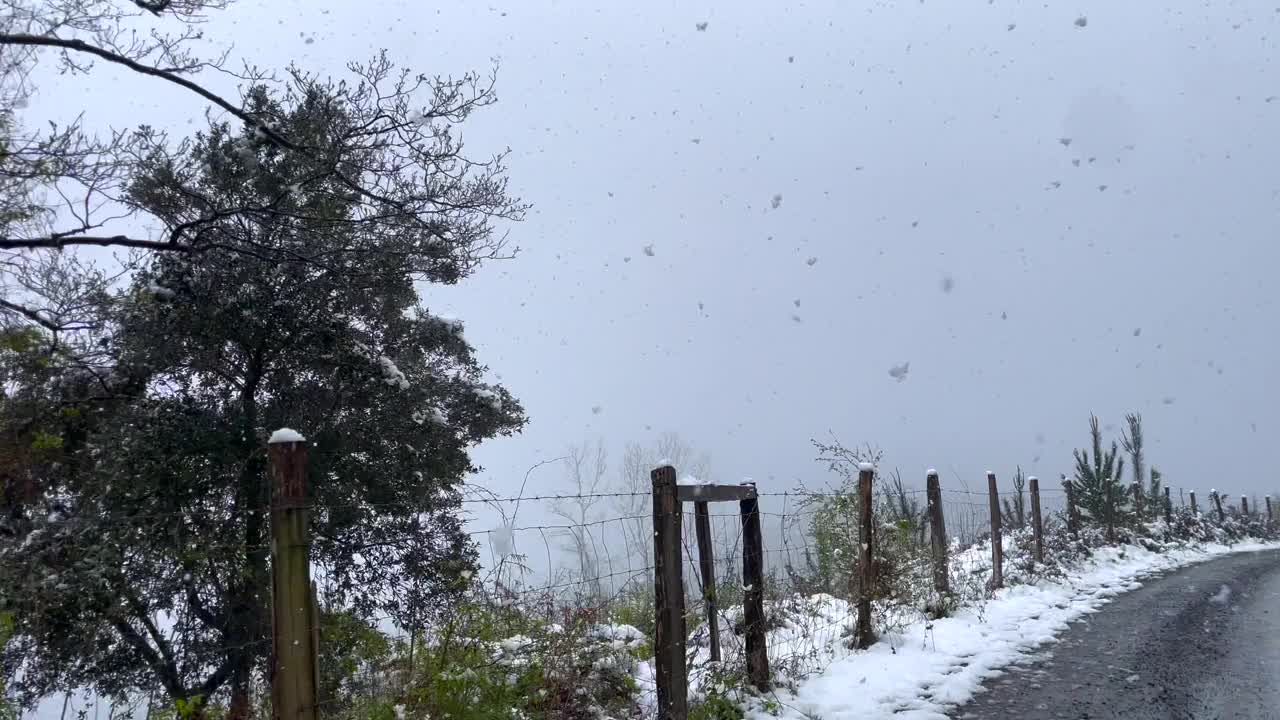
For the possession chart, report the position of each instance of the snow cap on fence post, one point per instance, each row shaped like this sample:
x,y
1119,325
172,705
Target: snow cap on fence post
x,y
285,435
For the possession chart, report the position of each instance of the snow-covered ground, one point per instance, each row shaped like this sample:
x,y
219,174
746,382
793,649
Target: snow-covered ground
x,y
920,672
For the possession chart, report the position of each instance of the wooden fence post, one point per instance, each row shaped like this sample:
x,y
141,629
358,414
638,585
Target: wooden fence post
x,y
1217,505
294,647
753,596
937,534
1195,512
1268,500
1037,522
1168,507
997,542
1139,500
707,568
1073,518
1244,506
668,593
866,555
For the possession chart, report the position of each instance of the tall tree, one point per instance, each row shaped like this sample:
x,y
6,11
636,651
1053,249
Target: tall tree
x,y
135,543
634,485
585,466
1099,492
1132,440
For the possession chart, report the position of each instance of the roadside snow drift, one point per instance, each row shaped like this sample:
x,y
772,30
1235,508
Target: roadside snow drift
x,y
935,665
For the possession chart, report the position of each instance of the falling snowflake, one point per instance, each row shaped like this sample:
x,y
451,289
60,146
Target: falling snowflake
x,y
811,261
702,26
899,372
948,283
777,201
1082,21
503,540
648,249
596,409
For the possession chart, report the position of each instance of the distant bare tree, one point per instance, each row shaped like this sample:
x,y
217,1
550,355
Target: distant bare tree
x,y
586,466
634,481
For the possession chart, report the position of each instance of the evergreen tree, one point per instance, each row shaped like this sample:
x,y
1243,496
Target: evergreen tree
x,y
1132,440
1155,493
1015,508
135,542
1098,490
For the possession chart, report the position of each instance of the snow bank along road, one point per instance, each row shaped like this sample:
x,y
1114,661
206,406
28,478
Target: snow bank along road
x,y
1201,642
1173,643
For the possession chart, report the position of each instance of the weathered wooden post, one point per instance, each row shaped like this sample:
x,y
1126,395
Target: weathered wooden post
x,y
1216,498
937,534
1037,523
1073,517
753,596
668,593
1138,500
1244,506
1168,506
997,541
707,568
1195,511
1268,501
294,644
866,555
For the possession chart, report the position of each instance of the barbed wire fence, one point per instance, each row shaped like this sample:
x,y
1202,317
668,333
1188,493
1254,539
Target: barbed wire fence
x,y
597,577
568,595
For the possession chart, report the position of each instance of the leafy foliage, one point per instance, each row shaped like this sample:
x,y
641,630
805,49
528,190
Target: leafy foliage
x,y
147,503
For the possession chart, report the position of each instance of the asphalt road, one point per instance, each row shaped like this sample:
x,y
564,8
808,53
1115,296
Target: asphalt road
x,y
1202,642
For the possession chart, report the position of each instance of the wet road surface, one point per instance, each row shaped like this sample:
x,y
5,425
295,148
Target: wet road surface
x,y
1202,642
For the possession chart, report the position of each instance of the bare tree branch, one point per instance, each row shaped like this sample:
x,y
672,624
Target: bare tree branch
x,y
84,47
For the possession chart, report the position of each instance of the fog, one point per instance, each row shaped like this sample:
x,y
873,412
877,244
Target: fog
x,y
952,232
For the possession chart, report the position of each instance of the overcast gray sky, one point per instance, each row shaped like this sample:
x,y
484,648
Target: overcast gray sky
x,y
1096,181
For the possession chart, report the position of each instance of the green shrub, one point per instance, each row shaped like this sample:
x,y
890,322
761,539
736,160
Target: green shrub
x,y
715,707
